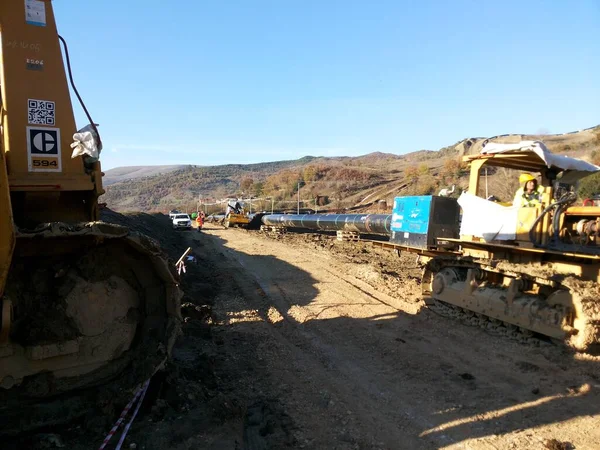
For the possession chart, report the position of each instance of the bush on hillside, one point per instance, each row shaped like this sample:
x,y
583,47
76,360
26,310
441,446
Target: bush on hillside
x,y
589,186
411,173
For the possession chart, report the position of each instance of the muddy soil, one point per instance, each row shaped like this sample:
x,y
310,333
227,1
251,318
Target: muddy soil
x,y
299,341
364,365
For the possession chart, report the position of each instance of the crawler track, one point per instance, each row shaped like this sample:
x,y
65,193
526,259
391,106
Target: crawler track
x,y
518,301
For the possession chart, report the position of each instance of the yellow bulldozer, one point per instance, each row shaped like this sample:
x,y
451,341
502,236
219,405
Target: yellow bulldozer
x,y
524,269
236,215
82,302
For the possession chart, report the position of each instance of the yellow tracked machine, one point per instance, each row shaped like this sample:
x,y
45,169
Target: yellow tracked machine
x,y
519,270
82,302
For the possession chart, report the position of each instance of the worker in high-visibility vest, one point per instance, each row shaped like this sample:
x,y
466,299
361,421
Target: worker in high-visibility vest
x,y
199,222
530,192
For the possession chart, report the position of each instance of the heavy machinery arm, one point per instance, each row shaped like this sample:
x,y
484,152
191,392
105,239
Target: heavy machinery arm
x,y
82,301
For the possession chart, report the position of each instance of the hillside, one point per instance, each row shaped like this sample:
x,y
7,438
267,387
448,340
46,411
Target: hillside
x,y
119,174
183,184
370,181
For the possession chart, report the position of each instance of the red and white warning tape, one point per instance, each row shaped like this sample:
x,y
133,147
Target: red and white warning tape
x,y
139,398
180,264
180,268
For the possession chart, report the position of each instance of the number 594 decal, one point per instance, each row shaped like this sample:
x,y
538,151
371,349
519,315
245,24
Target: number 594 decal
x,y
44,163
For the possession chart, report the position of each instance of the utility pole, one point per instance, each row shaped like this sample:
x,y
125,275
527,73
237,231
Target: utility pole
x,y
298,197
272,202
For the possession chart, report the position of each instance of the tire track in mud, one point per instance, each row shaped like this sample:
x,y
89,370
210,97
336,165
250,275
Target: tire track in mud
x,y
355,283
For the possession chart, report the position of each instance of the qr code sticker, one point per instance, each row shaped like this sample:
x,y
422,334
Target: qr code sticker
x,y
41,112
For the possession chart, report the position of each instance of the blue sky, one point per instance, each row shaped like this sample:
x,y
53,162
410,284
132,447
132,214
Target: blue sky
x,y
240,81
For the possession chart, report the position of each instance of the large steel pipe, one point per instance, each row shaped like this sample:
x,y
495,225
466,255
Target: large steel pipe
x,y
361,223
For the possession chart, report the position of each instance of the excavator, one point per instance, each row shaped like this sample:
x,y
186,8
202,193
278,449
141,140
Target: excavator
x,y
82,302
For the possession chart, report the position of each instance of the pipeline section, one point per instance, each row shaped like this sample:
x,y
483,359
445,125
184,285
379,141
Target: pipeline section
x,y
360,223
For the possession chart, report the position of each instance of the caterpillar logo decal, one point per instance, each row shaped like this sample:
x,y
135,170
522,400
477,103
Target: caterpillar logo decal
x,y
43,149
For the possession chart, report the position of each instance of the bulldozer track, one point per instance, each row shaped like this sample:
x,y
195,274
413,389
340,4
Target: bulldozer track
x,y
585,293
491,326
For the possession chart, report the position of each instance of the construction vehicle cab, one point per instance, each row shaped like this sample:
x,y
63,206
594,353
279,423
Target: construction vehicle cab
x,y
523,226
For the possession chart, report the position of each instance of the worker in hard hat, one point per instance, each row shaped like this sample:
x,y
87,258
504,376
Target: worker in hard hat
x,y
199,222
530,192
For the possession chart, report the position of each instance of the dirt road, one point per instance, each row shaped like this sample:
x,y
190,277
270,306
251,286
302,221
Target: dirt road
x,y
353,360
303,342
